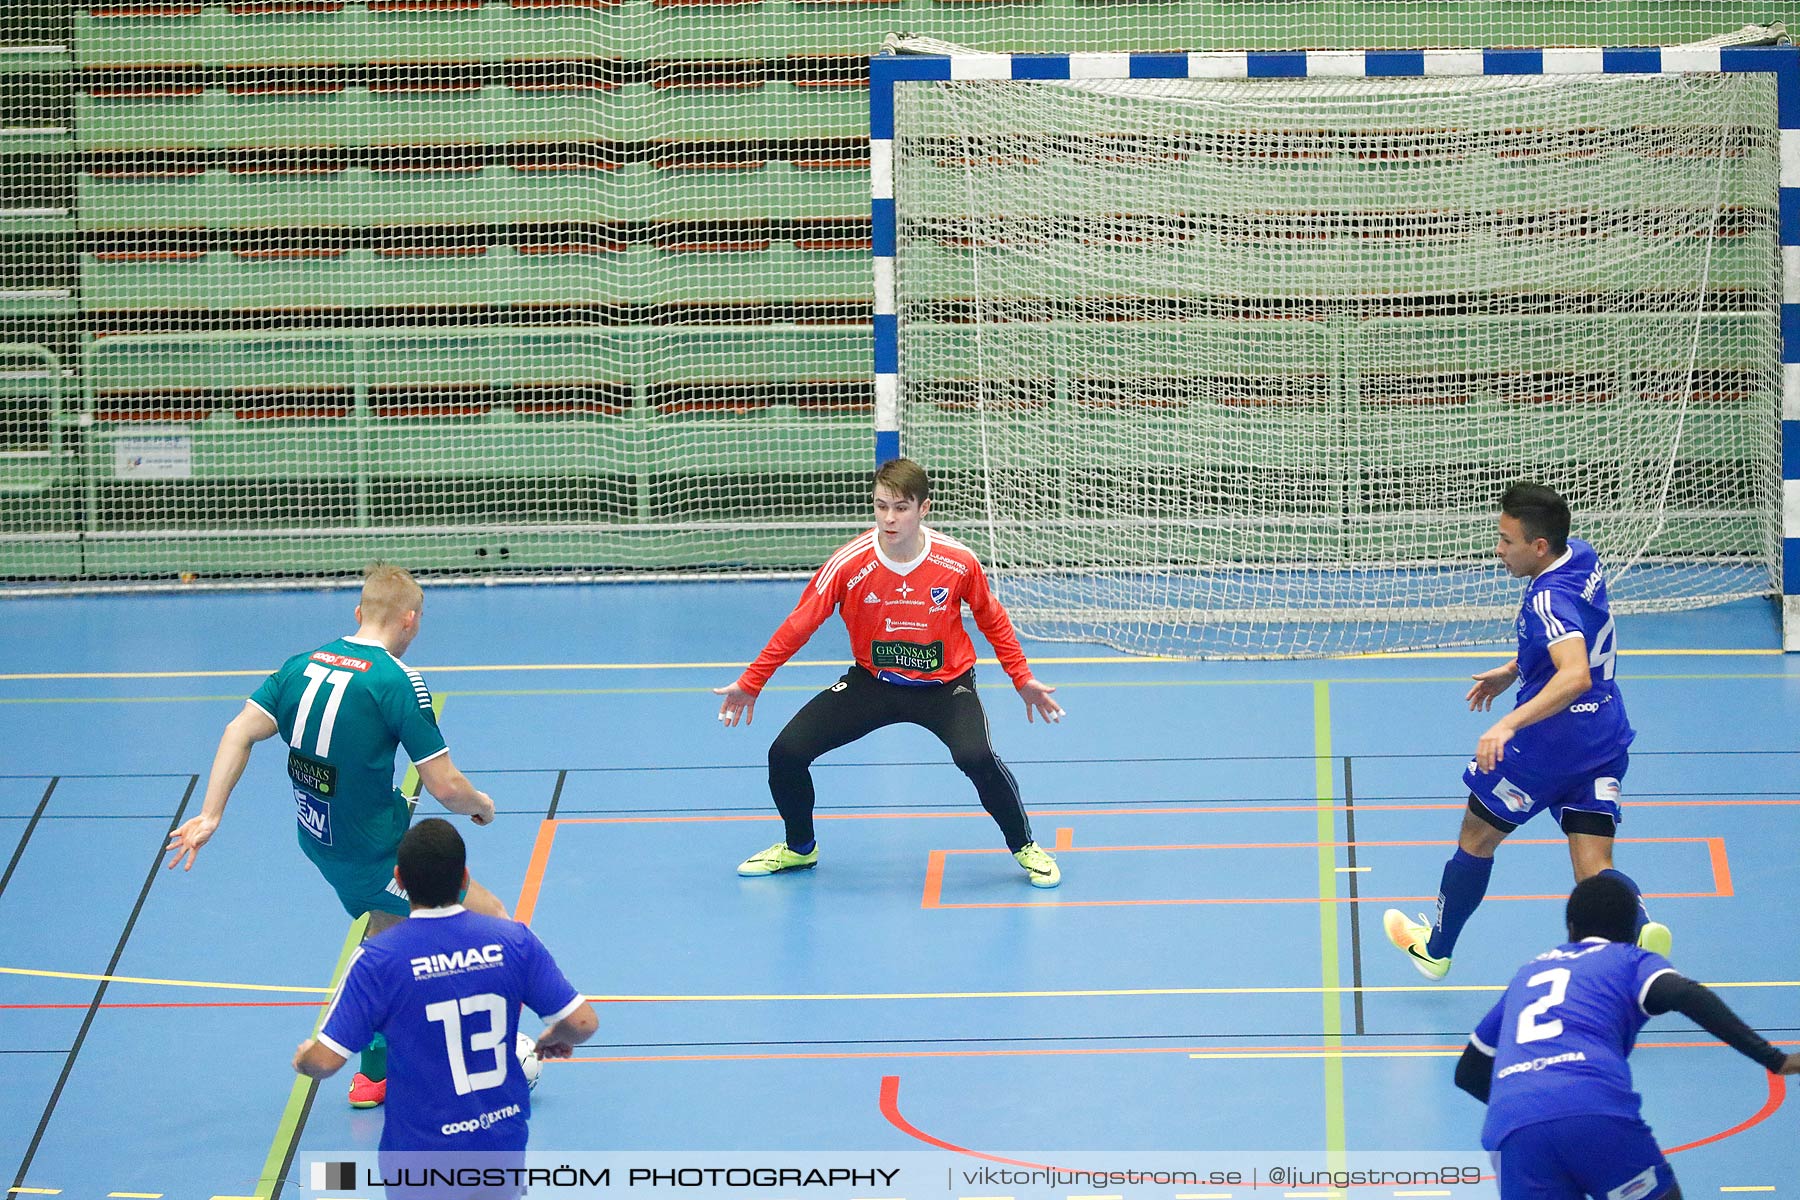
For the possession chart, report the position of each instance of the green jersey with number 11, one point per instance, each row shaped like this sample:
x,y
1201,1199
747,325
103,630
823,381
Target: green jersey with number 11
x,y
342,709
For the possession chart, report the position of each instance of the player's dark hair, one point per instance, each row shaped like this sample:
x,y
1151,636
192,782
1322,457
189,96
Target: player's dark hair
x,y
1601,906
432,860
904,477
1540,512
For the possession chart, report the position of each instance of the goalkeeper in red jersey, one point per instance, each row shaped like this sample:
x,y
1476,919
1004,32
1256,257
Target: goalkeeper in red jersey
x,y
900,588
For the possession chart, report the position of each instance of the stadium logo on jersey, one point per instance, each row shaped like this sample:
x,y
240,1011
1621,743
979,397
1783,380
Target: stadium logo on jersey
x,y
430,966
939,595
314,814
860,576
340,660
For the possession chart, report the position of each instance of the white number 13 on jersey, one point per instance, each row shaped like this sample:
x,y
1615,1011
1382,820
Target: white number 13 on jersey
x,y
1530,1028
485,1041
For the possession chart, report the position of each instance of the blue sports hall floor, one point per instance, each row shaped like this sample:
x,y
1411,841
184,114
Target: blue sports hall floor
x,y
1211,975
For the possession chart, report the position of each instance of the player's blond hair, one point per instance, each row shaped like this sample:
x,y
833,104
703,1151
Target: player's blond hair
x,y
388,593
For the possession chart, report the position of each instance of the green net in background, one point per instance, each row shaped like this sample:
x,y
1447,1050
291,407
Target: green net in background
x,y
517,286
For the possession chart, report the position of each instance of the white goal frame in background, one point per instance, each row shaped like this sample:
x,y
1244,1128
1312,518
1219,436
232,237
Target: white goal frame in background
x,y
888,71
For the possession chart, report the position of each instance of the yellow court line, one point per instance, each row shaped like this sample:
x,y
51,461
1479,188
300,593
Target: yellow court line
x,y
187,983
25,1191
747,997
1761,1187
1070,684
738,664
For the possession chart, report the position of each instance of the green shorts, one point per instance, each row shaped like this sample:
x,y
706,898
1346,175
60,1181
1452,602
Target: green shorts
x,y
360,886
364,879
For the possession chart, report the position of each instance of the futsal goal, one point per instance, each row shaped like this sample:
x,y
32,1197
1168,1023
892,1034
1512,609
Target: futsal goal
x,y
1231,354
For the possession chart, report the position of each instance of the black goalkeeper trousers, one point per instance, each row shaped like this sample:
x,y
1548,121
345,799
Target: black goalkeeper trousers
x,y
857,705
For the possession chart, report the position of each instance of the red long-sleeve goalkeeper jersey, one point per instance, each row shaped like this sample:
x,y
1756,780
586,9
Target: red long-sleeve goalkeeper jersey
x,y
905,619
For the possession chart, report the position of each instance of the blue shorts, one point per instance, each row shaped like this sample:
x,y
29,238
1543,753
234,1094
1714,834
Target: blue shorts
x,y
1608,1158
1516,791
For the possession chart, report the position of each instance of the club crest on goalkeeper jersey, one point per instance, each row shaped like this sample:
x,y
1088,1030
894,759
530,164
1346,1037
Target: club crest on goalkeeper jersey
x,y
905,619
1566,600
342,709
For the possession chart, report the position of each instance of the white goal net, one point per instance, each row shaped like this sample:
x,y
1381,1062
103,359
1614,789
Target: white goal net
x,y
1241,366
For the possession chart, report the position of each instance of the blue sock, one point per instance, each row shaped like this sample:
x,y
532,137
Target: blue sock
x,y
1465,882
1622,877
806,849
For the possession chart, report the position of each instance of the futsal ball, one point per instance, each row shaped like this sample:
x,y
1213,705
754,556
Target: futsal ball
x,y
528,1060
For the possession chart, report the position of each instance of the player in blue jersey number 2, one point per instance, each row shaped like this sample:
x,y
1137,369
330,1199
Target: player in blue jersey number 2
x,y
1563,745
1549,1058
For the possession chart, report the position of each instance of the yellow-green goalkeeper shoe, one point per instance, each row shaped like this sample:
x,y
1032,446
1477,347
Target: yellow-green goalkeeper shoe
x,y
1656,938
778,858
1411,937
1039,866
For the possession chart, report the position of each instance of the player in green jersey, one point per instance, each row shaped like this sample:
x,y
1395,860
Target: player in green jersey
x,y
343,709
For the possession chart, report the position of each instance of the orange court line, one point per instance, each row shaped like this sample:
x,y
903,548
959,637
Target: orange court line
x,y
534,873
933,897
1238,809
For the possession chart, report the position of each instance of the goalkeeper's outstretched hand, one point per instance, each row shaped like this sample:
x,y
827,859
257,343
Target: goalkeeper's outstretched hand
x,y
1038,702
737,705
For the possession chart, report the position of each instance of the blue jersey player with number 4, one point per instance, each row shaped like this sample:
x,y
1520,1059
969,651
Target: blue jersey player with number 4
x,y
1549,1060
1561,748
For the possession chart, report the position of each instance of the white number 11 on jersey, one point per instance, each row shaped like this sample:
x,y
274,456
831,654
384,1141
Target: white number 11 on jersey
x,y
318,675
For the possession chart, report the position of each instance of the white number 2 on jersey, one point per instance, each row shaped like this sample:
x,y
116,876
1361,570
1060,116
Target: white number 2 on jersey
x,y
1530,1028
482,1041
317,675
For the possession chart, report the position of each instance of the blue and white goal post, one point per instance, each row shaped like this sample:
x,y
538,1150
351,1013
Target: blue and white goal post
x,y
1428,335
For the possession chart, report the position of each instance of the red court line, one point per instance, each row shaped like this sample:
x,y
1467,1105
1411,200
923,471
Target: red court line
x,y
936,859
1777,1093
890,1109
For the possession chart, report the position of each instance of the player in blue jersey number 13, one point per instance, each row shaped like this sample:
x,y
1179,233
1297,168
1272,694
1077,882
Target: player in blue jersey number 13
x,y
1549,1059
1563,745
446,988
